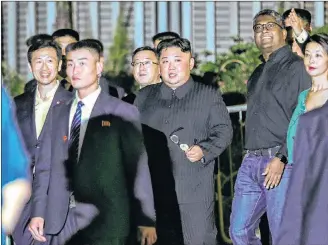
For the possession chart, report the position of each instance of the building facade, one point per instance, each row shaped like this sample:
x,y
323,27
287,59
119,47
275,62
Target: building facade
x,y
208,25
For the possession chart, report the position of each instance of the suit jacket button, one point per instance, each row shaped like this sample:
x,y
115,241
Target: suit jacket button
x,y
37,146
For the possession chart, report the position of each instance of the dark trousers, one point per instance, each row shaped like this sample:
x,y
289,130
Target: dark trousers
x,y
198,223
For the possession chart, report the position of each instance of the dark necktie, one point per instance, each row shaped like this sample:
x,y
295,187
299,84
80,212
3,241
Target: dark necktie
x,y
75,132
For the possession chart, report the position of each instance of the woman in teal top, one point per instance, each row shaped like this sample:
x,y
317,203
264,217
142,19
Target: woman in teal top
x,y
316,64
299,110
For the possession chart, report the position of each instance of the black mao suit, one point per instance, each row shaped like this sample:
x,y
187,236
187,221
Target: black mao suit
x,y
198,115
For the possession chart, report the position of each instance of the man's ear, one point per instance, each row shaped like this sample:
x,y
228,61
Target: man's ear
x,y
102,59
59,65
100,67
191,63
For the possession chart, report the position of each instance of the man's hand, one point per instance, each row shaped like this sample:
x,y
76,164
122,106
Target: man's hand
x,y
36,228
295,22
194,153
273,173
147,235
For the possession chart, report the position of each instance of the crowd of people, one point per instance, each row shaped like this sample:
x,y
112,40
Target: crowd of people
x,y
110,168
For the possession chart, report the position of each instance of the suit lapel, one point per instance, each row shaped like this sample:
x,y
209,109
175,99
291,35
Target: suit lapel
x,y
60,122
103,106
30,112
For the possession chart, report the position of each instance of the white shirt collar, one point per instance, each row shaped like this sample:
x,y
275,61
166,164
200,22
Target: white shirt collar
x,y
90,100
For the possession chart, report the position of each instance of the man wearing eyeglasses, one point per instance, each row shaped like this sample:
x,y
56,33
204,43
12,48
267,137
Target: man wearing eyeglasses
x,y
145,69
145,66
196,127
273,89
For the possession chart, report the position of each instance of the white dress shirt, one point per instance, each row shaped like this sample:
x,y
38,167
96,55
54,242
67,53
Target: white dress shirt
x,y
89,103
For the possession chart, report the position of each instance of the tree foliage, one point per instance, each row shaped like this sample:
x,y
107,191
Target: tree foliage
x,y
322,29
13,82
233,67
119,50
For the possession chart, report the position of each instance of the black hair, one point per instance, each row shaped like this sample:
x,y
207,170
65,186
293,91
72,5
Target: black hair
x,y
182,43
165,35
66,32
101,46
321,39
270,12
84,44
41,41
304,14
32,39
144,48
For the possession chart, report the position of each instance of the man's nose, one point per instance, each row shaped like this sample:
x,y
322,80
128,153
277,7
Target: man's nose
x,y
44,66
171,65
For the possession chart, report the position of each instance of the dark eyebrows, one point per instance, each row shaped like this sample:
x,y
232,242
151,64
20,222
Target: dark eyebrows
x,y
175,56
78,59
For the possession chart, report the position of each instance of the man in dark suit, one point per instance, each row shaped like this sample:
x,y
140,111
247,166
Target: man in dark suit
x,y
196,123
99,165
305,217
32,108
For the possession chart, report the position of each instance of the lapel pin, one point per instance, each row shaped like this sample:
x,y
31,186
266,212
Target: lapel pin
x,y
105,123
65,138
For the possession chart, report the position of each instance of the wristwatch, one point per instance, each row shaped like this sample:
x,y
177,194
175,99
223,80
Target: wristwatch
x,y
282,157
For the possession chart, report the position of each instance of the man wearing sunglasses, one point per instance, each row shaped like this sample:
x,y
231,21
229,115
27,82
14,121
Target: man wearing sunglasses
x,y
273,89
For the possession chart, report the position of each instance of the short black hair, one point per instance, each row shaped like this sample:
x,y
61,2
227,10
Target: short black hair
x,y
101,46
144,48
32,39
84,44
66,32
41,41
321,39
165,35
270,12
304,14
182,43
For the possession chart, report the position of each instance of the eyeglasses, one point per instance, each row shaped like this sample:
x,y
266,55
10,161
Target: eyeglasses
x,y
269,26
146,63
175,139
